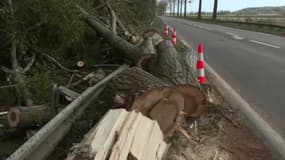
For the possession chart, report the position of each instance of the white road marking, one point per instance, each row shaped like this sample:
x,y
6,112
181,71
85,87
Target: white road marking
x,y
265,44
235,36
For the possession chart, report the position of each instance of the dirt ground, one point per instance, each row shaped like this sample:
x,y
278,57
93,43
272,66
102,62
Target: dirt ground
x,y
220,135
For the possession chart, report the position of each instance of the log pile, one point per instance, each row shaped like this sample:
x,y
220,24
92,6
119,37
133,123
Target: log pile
x,y
162,88
122,135
156,99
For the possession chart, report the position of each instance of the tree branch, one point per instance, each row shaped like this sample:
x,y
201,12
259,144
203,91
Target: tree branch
x,y
14,55
6,70
30,64
117,42
51,59
114,19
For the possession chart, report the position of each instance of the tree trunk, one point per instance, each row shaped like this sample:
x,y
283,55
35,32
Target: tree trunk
x,y
22,117
185,8
181,7
215,10
141,91
173,9
172,70
200,9
3,120
178,7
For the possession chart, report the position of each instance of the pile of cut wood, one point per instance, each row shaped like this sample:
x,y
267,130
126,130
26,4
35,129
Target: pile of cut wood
x,y
122,135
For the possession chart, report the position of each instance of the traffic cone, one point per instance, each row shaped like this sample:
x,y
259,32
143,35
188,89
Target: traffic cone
x,y
174,37
201,65
166,31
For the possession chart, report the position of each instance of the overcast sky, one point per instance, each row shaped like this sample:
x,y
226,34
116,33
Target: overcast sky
x,y
234,5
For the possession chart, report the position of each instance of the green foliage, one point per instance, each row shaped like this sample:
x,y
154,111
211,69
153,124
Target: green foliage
x,y
39,84
136,13
50,25
161,8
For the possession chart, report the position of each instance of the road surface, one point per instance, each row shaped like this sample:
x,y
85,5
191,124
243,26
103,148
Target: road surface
x,y
252,63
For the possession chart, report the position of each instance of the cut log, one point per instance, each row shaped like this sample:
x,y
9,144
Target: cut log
x,y
21,117
194,100
132,83
140,91
122,135
3,119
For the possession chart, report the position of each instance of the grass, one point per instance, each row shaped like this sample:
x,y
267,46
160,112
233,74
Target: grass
x,y
251,27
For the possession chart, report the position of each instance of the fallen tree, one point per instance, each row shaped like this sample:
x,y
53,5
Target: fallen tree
x,y
165,63
143,92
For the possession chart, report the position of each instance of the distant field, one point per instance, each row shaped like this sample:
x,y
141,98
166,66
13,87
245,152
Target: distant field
x,y
278,20
272,20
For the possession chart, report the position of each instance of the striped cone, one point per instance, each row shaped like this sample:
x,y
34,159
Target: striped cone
x,y
174,36
201,65
166,31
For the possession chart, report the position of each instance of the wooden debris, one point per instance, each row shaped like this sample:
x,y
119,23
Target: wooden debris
x,y
3,119
21,117
122,135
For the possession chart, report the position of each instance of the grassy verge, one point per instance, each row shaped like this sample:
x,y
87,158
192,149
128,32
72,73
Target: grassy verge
x,y
245,26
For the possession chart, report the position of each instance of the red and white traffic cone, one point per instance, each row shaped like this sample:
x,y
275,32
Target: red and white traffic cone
x,y
201,65
166,31
174,36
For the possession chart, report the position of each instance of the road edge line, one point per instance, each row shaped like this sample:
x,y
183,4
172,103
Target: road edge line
x,y
271,137
235,100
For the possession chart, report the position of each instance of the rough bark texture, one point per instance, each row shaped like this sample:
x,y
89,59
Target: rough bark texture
x,y
185,8
215,10
141,91
22,117
170,66
3,121
132,83
200,9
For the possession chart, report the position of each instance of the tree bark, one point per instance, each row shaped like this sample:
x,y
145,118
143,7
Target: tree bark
x,y
200,9
3,120
143,92
215,10
22,117
178,7
165,63
181,7
185,8
173,11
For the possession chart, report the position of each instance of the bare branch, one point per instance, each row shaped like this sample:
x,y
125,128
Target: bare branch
x,y
8,86
30,64
114,19
50,58
14,55
6,70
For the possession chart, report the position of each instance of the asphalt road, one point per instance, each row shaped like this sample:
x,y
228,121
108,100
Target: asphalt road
x,y
252,63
